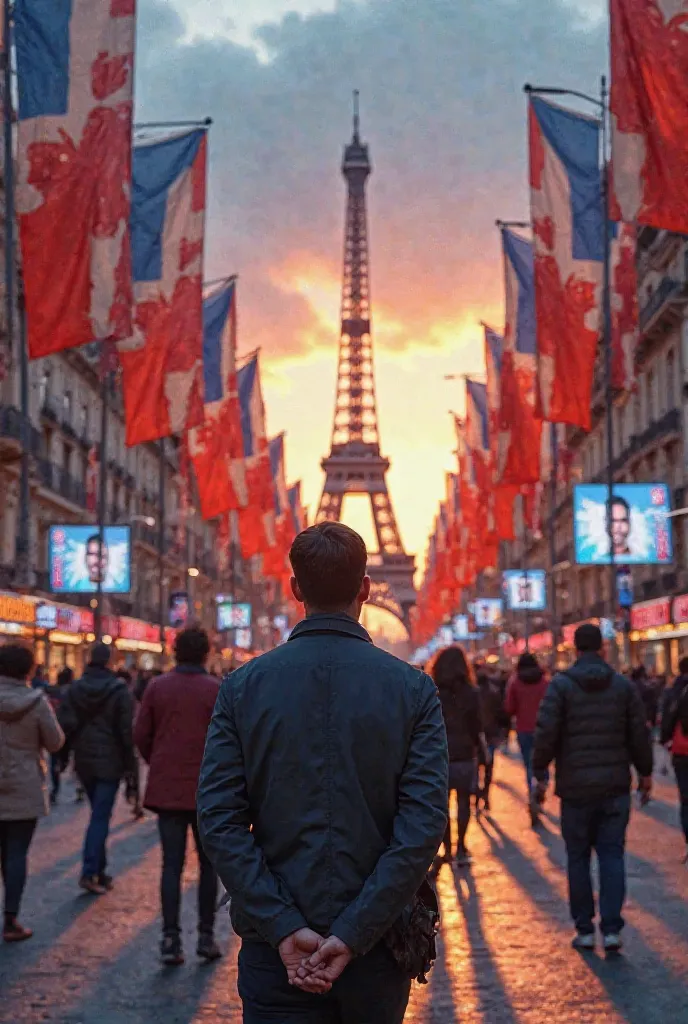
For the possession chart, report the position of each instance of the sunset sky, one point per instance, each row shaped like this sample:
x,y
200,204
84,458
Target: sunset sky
x,y
444,114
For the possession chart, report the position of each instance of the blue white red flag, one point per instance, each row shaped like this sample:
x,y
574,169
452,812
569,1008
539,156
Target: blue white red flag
x,y
624,305
257,521
75,67
217,447
279,476
503,495
163,360
518,451
649,106
568,228
297,510
478,434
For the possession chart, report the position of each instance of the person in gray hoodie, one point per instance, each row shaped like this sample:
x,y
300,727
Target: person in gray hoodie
x,y
97,717
27,728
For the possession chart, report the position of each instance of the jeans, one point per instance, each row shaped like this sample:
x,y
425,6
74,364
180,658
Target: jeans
x,y
55,775
599,825
101,796
173,827
462,778
15,839
681,770
372,990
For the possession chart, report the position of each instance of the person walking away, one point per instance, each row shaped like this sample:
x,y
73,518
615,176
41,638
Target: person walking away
x,y
460,701
524,695
322,802
675,734
170,733
28,726
493,718
96,716
592,724
39,680
55,695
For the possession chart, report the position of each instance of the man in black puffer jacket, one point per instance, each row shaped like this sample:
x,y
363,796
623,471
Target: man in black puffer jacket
x,y
592,723
97,718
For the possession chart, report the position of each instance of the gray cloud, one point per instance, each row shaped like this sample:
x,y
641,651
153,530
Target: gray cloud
x,y
443,111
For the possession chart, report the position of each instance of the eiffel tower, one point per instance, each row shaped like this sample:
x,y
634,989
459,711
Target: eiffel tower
x,y
355,464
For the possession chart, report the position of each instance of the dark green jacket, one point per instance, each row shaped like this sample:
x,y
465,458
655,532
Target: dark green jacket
x,y
323,792
592,723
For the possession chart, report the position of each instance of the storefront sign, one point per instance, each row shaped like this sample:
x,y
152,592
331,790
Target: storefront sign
x,y
681,608
16,609
537,643
651,614
46,616
136,629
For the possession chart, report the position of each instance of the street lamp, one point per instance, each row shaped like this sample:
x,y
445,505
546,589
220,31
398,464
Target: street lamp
x,y
146,520
194,572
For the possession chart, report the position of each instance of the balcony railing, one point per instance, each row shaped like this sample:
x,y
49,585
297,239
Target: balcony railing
x,y
59,480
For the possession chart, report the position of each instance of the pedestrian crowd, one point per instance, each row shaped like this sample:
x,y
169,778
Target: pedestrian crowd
x,y
317,784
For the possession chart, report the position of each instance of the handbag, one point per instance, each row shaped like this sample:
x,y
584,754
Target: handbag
x,y
412,939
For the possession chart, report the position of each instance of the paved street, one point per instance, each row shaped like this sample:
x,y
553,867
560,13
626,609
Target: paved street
x,y
505,955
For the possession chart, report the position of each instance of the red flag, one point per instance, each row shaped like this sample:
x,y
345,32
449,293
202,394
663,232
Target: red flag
x,y
504,496
624,303
649,106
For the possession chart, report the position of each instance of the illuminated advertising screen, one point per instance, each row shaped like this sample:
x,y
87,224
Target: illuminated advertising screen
x,y
460,628
641,532
242,639
487,612
77,563
179,609
233,616
525,591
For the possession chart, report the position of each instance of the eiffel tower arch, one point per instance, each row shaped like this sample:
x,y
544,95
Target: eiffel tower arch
x,y
355,464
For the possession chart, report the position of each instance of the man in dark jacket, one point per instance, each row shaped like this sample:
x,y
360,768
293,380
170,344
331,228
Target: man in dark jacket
x,y
592,723
323,800
170,733
96,716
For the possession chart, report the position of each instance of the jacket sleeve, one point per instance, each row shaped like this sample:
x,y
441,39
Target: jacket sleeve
x,y
416,835
476,720
639,742
511,701
67,717
548,728
225,825
51,735
124,721
143,727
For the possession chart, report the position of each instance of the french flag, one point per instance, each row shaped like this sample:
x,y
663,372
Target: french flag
x,y
297,510
217,447
503,496
163,359
518,450
568,226
257,521
75,68
478,434
624,305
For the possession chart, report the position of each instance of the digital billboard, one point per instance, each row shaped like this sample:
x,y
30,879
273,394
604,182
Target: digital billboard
x,y
179,609
233,616
77,563
460,628
525,591
641,531
243,639
487,612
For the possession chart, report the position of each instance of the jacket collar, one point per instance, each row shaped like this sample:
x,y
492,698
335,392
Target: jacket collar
x,y
341,624
191,670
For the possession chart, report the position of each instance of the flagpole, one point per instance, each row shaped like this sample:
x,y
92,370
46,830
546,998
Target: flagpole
x,y
554,474
102,502
204,122
161,545
524,563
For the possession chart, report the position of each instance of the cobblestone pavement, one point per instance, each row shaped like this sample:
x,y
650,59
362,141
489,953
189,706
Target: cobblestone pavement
x,y
504,957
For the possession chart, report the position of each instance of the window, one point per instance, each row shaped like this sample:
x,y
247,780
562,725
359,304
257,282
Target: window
x,y
651,406
67,407
84,420
44,388
671,379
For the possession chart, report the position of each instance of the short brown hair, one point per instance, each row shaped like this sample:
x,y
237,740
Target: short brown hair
x,y
192,646
329,562
16,661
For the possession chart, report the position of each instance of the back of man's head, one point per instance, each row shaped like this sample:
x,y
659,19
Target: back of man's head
x,y
100,655
588,639
329,562
192,646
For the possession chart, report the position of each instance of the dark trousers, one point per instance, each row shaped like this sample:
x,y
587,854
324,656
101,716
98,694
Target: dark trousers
x,y
101,796
173,827
372,990
55,775
681,770
463,779
15,839
599,825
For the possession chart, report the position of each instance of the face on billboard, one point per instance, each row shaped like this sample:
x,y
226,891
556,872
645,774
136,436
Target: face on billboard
x,y
525,591
233,616
487,612
179,609
641,532
78,562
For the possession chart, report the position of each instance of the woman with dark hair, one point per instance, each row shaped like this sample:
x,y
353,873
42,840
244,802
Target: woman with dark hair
x,y
28,726
460,699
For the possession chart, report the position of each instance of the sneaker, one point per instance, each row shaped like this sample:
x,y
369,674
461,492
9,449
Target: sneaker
x,y
15,932
106,881
612,943
91,883
208,948
171,951
584,941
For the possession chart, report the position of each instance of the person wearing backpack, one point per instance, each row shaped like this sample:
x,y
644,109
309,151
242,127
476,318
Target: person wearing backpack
x,y
675,734
27,727
97,718
592,724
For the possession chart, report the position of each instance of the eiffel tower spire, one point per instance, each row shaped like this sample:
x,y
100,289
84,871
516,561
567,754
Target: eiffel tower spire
x,y
355,464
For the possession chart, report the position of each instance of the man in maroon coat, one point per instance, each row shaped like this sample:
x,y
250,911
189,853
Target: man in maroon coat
x,y
170,733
